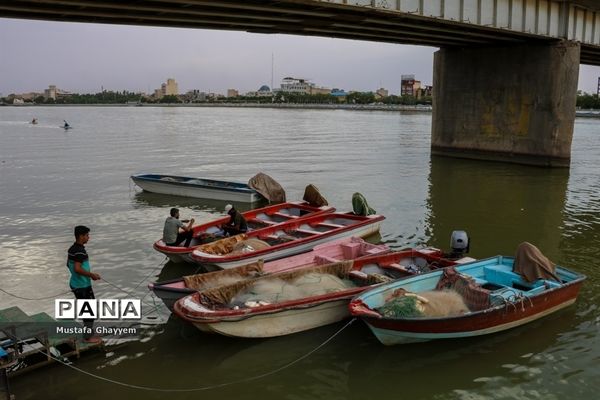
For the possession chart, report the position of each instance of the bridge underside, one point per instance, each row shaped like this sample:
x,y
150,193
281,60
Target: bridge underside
x,y
295,17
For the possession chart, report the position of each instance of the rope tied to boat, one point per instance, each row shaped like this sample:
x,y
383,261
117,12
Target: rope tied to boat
x,y
202,388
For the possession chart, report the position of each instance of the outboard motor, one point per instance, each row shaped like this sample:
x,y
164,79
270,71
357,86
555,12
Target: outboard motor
x,y
459,243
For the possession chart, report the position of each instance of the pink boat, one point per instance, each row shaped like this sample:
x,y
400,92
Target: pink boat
x,y
343,249
257,219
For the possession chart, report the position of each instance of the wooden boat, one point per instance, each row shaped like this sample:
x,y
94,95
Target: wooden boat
x,y
497,299
212,310
343,249
197,187
257,219
289,238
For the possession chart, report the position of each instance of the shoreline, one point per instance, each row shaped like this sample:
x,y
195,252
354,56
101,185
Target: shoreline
x,y
353,107
356,107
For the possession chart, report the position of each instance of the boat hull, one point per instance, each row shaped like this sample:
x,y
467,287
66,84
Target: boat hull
x,y
175,188
514,312
281,323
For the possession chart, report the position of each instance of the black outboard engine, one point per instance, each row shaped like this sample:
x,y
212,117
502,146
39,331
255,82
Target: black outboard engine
x,y
459,243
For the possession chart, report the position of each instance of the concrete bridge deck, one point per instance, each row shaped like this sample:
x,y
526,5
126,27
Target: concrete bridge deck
x,y
438,23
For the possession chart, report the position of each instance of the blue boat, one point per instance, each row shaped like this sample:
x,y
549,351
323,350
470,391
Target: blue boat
x,y
197,187
491,298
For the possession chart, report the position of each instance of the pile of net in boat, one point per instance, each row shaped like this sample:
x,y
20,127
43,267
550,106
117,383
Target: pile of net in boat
x,y
238,244
281,287
248,246
432,304
224,277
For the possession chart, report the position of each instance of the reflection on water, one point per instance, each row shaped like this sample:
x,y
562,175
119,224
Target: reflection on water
x,y
51,180
499,205
144,199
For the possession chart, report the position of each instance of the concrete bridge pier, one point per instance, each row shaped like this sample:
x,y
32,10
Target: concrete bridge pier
x,y
512,104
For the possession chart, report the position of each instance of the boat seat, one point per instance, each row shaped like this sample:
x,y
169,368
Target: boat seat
x,y
307,231
397,267
329,225
279,214
510,279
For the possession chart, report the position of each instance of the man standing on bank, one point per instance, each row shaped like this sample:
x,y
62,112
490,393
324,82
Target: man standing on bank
x,y
175,231
236,224
81,276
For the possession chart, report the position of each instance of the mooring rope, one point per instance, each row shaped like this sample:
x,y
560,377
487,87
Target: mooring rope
x,y
34,298
220,385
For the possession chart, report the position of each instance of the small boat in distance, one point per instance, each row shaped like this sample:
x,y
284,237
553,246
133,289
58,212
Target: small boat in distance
x,y
257,219
197,187
472,299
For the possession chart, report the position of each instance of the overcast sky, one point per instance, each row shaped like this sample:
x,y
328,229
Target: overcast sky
x,y
86,57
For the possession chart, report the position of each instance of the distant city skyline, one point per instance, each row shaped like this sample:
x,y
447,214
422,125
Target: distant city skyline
x,y
86,58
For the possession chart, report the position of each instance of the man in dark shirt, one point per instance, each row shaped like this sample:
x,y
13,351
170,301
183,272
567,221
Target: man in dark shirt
x,y
81,276
236,224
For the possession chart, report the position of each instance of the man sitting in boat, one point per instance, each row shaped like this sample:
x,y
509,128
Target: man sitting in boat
x,y
66,125
236,224
175,231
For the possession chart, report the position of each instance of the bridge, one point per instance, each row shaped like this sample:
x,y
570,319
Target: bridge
x,y
505,77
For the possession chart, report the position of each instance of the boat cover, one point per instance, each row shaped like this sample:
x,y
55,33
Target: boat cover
x,y
267,187
532,264
213,279
313,197
360,205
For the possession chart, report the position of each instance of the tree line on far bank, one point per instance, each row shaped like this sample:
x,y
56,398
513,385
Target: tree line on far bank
x,y
584,100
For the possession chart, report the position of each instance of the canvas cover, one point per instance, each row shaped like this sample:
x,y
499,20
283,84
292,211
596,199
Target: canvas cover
x,y
532,265
219,278
313,197
267,187
360,205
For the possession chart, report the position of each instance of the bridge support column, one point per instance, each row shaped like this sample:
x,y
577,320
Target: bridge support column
x,y
512,104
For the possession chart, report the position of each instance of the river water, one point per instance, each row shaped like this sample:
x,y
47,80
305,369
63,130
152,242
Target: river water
x,y
52,180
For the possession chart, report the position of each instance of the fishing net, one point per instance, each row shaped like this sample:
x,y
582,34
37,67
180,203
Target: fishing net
x,y
224,277
475,297
223,295
223,246
400,307
278,290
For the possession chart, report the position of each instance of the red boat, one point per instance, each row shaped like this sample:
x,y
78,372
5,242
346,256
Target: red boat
x,y
257,219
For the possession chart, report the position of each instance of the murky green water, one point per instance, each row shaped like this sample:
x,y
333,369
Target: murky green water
x,y
51,180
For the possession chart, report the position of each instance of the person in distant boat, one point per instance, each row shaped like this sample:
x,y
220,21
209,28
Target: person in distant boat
x,y
34,121
66,125
81,276
236,224
175,231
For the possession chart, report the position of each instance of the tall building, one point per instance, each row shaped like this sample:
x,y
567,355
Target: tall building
x,y
409,86
170,88
232,93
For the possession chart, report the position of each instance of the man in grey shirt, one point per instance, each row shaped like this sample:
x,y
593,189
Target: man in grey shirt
x,y
175,231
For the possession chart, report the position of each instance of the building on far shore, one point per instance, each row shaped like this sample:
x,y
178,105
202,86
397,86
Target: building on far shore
x,y
170,88
381,93
232,93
